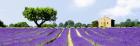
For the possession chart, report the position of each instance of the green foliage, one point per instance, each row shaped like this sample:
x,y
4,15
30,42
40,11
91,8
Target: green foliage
x,y
78,25
129,23
95,23
19,24
49,25
136,23
61,25
89,25
40,14
69,23
84,25
2,24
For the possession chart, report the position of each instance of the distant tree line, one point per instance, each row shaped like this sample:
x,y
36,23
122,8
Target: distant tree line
x,y
129,23
67,24
71,23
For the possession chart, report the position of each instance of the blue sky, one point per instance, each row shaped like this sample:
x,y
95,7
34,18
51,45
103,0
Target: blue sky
x,y
83,11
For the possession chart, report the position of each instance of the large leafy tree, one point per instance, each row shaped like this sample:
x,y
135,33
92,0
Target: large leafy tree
x,y
40,15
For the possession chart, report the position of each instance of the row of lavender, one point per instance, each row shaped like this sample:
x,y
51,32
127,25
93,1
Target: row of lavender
x,y
113,36
59,37
76,40
27,36
62,40
100,37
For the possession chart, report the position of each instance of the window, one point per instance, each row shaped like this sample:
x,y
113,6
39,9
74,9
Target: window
x,y
107,22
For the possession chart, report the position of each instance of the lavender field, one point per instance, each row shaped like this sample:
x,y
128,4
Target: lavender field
x,y
69,37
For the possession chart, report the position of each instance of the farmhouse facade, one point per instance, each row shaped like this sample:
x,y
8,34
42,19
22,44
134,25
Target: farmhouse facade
x,y
106,22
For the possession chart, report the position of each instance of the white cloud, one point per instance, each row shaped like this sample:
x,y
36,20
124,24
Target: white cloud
x,y
83,3
122,8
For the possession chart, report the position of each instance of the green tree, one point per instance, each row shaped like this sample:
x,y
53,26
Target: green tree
x,y
128,23
2,24
95,23
84,25
46,25
117,25
11,25
40,15
49,25
89,25
54,25
69,23
78,25
19,24
136,23
61,25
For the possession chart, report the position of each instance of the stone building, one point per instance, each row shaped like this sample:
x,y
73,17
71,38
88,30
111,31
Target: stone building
x,y
106,22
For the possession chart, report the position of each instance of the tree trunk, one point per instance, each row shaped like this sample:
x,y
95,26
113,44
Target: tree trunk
x,y
39,25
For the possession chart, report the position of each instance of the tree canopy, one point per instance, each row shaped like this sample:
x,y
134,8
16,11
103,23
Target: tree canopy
x,y
79,24
61,25
40,15
69,23
95,23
